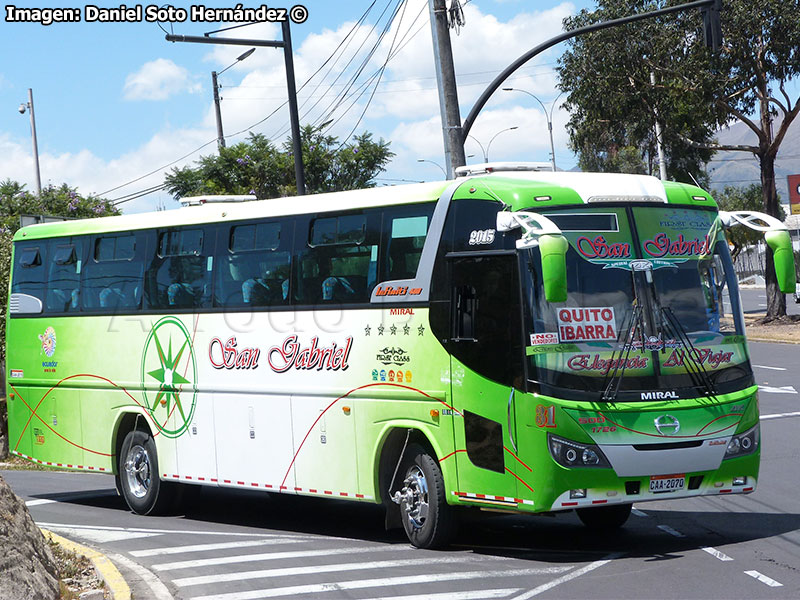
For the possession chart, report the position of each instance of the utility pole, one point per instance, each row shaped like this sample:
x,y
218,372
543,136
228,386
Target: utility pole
x,y
29,107
286,44
220,136
446,82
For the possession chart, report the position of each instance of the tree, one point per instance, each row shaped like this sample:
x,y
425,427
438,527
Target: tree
x,y
613,104
62,201
258,167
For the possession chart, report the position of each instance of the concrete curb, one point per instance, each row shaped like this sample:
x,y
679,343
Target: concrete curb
x,y
115,583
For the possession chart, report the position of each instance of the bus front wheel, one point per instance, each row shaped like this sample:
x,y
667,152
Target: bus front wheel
x,y
605,517
427,519
141,487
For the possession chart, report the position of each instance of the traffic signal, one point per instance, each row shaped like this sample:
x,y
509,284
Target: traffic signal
x,y
712,29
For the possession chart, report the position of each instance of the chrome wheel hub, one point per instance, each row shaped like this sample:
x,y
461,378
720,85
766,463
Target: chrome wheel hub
x,y
414,497
137,471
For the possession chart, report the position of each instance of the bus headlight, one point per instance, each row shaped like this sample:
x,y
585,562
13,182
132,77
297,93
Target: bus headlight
x,y
743,444
573,454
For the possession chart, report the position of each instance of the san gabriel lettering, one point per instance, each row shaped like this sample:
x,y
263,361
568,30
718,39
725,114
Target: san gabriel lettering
x,y
228,356
292,355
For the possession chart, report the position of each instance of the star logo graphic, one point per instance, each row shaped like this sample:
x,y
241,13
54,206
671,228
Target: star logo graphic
x,y
170,380
169,376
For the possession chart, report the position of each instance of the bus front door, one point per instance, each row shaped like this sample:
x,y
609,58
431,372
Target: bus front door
x,y
486,366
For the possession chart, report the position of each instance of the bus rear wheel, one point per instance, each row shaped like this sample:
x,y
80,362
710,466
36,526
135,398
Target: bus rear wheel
x,y
427,519
605,517
141,487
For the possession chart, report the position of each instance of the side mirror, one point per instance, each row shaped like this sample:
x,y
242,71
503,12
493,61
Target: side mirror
x,y
553,249
781,245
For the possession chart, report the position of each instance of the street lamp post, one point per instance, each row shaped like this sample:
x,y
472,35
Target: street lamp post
x,y
547,116
22,108
485,151
215,85
434,163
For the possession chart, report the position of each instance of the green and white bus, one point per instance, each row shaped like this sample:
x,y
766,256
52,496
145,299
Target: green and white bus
x,y
513,339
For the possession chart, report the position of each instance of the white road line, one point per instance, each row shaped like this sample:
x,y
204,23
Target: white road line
x,y
158,591
716,553
470,595
763,579
180,531
367,583
770,368
780,416
786,389
639,513
313,570
101,536
38,502
207,547
671,531
568,577
227,560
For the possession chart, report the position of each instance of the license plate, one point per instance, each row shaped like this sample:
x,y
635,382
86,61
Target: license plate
x,y
667,483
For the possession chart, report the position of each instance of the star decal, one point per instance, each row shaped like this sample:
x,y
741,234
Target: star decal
x,y
169,380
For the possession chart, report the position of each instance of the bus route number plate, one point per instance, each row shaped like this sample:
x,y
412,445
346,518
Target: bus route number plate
x,y
667,483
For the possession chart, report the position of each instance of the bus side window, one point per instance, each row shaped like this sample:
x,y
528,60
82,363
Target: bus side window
x,y
486,313
339,263
30,273
64,272
179,274
253,267
405,242
112,277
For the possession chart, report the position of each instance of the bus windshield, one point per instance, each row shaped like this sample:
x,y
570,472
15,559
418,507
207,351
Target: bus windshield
x,y
652,309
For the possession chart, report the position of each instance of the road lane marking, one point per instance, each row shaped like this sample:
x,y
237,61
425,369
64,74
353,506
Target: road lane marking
x,y
470,595
639,513
568,577
158,591
207,547
716,553
768,367
227,560
182,531
328,568
786,389
320,588
100,536
671,531
763,579
780,416
30,503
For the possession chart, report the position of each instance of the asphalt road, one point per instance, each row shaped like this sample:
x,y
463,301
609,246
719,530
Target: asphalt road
x,y
754,300
234,545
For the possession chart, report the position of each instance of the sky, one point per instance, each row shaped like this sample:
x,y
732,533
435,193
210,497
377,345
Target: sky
x,y
117,106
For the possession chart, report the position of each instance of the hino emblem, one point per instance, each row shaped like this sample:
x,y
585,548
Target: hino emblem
x,y
667,425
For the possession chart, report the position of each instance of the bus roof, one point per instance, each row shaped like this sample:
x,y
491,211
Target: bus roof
x,y
519,189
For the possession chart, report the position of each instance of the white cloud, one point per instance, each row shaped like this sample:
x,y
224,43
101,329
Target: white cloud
x,y
404,111
158,80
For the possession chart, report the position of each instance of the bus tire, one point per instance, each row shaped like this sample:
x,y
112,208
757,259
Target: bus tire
x,y
427,519
143,490
605,517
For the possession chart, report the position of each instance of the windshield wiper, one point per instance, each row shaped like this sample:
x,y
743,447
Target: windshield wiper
x,y
694,368
619,365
